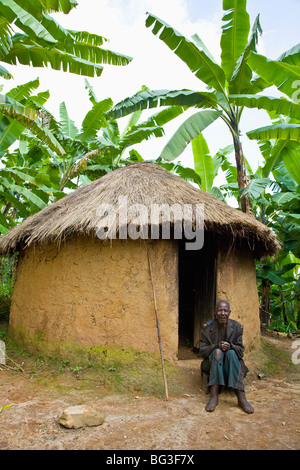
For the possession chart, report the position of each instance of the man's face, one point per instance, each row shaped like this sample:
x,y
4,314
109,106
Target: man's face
x,y
222,313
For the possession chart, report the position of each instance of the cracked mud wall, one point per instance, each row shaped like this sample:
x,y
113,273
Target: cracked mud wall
x,y
91,293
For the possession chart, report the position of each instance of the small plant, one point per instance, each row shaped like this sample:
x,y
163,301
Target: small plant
x,y
65,363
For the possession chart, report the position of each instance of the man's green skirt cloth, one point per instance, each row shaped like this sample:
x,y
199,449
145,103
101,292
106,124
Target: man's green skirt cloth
x,y
226,371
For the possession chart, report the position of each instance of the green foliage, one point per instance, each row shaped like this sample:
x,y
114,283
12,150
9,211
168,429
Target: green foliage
x,y
235,30
44,42
7,280
33,175
232,86
280,210
188,131
197,60
39,42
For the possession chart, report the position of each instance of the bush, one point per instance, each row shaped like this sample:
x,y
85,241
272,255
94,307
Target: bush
x,y
7,280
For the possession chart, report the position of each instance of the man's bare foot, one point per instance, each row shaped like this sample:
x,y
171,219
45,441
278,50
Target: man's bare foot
x,y
243,403
211,405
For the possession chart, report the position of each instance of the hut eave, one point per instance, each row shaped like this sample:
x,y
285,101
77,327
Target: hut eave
x,y
140,183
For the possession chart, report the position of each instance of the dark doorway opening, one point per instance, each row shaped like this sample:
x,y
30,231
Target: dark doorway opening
x,y
197,294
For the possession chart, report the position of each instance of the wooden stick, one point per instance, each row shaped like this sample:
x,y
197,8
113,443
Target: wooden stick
x,y
157,325
17,365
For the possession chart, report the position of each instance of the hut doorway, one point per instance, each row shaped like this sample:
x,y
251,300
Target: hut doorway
x,y
197,295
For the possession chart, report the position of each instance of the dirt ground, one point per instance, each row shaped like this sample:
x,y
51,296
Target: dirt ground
x,y
152,423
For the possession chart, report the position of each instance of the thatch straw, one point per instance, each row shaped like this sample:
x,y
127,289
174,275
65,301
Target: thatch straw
x,y
142,183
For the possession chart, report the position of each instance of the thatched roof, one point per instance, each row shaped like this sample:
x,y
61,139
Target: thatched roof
x,y
142,183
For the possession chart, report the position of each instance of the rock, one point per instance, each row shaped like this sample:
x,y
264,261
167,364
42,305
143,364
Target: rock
x,y
261,376
79,416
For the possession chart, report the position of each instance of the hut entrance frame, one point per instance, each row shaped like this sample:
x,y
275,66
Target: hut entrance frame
x,y
197,291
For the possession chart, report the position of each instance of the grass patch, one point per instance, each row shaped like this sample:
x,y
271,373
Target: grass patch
x,y
115,370
269,359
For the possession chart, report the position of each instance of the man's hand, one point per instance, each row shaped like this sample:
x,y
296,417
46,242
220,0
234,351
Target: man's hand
x,y
224,346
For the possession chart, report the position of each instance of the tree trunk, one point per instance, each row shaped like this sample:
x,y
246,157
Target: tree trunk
x,y
265,302
243,180
284,317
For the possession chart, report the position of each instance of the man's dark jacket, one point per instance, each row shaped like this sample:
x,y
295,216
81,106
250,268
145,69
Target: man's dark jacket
x,y
209,342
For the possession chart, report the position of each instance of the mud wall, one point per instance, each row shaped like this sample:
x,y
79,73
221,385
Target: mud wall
x,y
236,283
94,294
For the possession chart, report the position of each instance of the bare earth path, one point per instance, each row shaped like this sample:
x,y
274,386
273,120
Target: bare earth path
x,y
152,423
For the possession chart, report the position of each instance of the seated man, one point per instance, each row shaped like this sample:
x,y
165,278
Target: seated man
x,y
221,346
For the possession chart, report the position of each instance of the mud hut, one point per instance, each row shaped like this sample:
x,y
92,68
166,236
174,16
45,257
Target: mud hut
x,y
83,273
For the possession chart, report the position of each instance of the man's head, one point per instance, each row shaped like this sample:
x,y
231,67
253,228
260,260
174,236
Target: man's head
x,y
222,312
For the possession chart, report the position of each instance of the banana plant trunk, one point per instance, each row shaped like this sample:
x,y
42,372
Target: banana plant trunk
x,y
284,316
265,302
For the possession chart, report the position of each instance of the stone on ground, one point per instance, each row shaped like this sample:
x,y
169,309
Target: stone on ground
x,y
80,416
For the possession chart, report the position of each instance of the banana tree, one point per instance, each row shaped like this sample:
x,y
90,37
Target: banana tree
x,y
275,199
229,85
206,168
99,146
278,278
44,42
34,174
20,109
41,41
